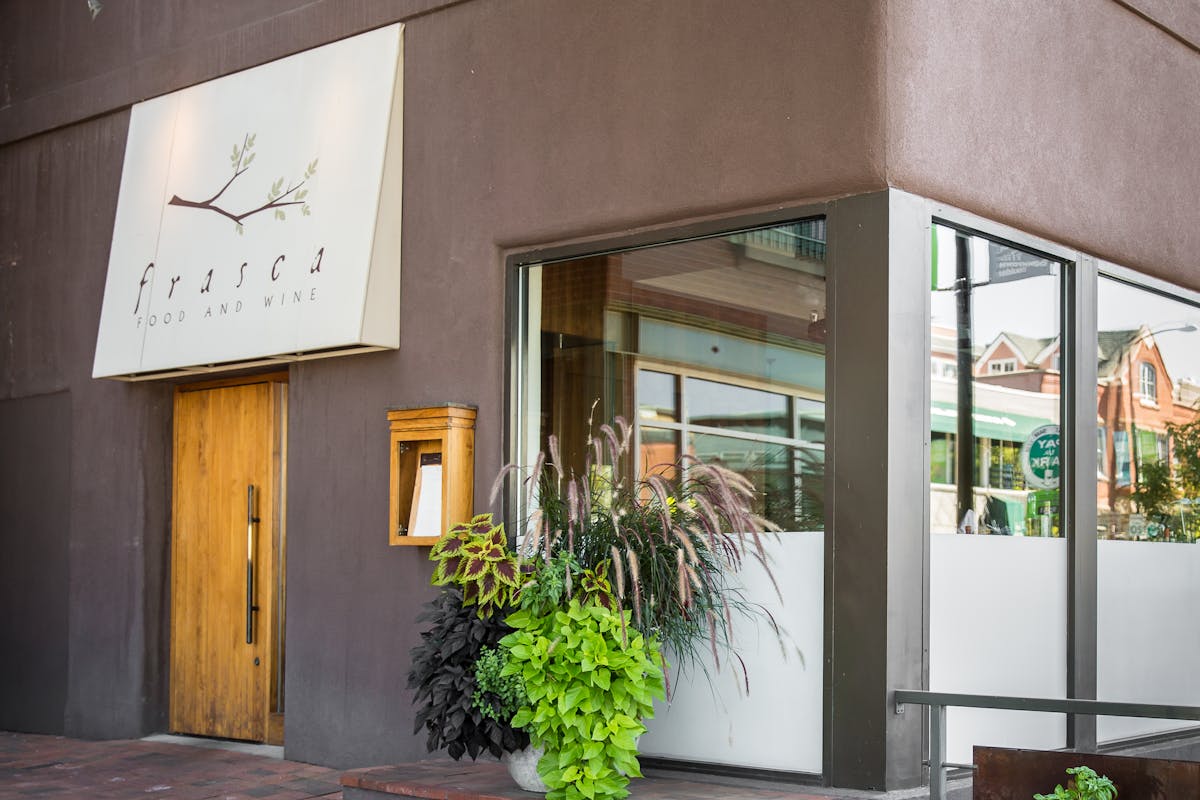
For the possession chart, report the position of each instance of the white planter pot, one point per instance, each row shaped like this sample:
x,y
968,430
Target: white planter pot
x,y
522,765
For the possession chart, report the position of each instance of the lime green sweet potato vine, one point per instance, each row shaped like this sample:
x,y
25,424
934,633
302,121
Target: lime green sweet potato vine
x,y
590,679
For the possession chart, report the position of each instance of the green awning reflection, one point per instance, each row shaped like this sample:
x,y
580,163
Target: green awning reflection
x,y
989,423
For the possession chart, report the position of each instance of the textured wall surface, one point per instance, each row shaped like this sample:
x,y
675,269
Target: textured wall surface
x,y
1179,18
60,64
1074,120
36,437
58,195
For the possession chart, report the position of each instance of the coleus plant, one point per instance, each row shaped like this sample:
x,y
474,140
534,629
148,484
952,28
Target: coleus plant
x,y
480,578
548,583
475,556
595,588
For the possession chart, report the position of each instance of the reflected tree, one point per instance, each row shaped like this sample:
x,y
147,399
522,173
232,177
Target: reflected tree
x,y
1155,490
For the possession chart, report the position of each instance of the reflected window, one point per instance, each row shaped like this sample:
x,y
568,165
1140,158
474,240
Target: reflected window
x,y
1121,456
774,438
658,397
712,348
1148,381
1150,446
994,437
1002,366
941,458
717,404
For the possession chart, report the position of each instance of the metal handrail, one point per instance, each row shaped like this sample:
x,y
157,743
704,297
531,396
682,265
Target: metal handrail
x,y
938,702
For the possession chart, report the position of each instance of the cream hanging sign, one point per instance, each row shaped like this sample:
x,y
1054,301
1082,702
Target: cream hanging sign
x,y
259,216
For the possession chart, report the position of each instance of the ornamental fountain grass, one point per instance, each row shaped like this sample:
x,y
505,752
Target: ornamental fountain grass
x,y
673,539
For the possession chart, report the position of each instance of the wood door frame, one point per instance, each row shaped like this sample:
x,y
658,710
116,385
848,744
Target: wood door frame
x,y
278,376
275,625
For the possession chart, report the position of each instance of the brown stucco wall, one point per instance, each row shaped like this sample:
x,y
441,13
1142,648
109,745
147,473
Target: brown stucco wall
x,y
61,65
34,586
1075,120
1179,19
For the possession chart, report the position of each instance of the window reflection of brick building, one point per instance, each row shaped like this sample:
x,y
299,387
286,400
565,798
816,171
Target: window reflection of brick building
x,y
1014,394
1137,398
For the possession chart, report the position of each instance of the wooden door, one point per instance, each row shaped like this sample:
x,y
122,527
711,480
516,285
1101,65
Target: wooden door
x,y
226,554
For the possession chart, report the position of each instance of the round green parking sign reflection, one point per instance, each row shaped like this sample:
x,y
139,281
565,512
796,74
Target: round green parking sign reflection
x,y
1041,458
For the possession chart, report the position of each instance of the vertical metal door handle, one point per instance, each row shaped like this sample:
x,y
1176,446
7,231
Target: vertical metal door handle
x,y
250,522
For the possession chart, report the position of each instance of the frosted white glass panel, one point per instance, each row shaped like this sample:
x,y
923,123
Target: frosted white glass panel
x,y
1148,648
997,625
778,725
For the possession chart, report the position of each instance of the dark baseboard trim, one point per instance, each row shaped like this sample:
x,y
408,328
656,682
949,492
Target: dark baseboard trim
x,y
671,767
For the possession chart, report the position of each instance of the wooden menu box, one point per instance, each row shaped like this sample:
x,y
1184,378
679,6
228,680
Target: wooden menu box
x,y
435,435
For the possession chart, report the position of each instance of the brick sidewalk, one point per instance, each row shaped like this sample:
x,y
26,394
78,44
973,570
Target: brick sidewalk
x,y
54,767
57,768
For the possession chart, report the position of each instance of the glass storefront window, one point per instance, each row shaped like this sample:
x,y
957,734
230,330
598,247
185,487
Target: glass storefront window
x,y
995,387
713,348
1148,396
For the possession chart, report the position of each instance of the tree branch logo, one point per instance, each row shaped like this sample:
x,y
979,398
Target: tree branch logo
x,y
225,297
278,198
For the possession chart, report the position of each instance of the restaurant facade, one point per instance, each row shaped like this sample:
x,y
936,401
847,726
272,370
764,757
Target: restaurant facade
x,y
924,272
